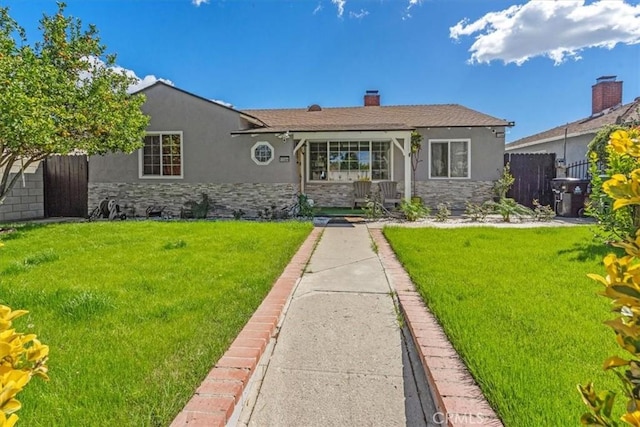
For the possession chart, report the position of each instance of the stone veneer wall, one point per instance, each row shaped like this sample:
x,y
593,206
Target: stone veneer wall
x,y
25,202
455,192
225,197
253,197
330,194
336,194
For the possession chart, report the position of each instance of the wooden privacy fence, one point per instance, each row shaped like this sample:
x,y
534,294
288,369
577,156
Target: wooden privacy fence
x,y
66,186
533,174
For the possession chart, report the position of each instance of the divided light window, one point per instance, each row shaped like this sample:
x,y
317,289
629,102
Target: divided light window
x,y
449,158
342,161
162,155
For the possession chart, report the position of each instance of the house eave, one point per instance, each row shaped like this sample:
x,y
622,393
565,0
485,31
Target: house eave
x,y
281,129
508,147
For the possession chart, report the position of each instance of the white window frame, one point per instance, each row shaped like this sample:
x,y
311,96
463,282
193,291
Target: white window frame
x,y
449,141
141,174
327,141
253,153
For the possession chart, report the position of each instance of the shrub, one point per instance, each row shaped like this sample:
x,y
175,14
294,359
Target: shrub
x,y
477,212
542,213
238,214
305,206
503,184
508,208
272,213
413,210
605,162
201,209
443,212
622,286
21,358
373,208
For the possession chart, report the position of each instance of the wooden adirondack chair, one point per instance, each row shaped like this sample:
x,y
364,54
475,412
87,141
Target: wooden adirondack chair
x,y
361,190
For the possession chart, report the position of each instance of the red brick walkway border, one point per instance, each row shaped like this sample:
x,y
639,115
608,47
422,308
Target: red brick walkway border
x,y
214,401
456,395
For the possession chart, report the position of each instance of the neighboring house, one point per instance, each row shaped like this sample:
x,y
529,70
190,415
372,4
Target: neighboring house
x,y
570,142
254,159
26,198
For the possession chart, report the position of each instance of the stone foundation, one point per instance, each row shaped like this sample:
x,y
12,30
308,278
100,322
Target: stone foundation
x,y
336,194
454,192
251,198
24,202
135,198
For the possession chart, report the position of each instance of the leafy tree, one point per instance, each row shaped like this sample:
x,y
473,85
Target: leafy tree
x,y
61,95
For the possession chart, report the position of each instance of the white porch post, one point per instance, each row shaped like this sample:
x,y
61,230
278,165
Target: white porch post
x,y
407,167
298,156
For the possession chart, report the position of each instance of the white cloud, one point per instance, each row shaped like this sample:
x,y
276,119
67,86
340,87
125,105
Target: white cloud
x,y
407,14
358,15
317,9
555,29
226,104
199,2
340,5
413,3
147,80
140,83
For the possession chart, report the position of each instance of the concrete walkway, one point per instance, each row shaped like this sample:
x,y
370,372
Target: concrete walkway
x,y
340,357
343,338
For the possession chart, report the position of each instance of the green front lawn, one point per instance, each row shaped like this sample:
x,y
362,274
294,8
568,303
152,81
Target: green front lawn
x,y
518,307
135,312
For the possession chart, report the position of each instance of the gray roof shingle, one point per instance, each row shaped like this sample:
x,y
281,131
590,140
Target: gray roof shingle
x,y
622,114
399,117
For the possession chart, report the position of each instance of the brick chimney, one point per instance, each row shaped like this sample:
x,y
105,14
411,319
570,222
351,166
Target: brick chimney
x,y
606,93
372,98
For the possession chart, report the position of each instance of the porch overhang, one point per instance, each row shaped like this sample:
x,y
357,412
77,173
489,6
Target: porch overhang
x,y
395,136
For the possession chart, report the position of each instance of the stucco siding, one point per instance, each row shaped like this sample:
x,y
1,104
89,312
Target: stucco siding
x,y
577,148
210,154
25,201
487,152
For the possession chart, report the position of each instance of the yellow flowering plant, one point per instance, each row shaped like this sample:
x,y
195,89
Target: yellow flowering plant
x,y
622,286
22,356
610,160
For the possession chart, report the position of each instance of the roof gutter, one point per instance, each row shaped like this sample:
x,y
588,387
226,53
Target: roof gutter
x,y
510,147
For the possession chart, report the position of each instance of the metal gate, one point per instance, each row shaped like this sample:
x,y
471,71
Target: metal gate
x,y
66,186
533,174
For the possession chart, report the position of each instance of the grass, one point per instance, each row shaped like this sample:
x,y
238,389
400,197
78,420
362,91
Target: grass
x,y
135,313
518,307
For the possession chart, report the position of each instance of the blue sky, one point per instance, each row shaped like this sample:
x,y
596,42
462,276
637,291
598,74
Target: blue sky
x,y
528,62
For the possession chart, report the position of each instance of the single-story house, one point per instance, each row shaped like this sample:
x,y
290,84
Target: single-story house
x,y
570,141
254,159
